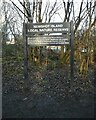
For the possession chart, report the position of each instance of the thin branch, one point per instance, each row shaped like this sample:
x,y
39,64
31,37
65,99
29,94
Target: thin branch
x,y
19,9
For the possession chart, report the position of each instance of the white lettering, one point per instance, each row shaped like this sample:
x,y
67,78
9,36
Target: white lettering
x,y
32,30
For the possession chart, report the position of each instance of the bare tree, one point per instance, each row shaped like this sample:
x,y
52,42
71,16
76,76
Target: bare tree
x,y
85,40
11,27
35,12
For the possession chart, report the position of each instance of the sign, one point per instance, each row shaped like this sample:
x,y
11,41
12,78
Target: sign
x,y
47,28
47,40
41,34
51,34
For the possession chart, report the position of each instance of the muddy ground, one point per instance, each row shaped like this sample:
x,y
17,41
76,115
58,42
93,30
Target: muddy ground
x,y
51,93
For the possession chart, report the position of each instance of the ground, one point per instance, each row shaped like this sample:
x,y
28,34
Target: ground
x,y
51,93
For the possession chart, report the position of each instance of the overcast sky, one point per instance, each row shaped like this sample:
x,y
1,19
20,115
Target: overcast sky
x,y
56,18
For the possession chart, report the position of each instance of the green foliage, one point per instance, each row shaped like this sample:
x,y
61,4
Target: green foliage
x,y
53,56
13,51
8,50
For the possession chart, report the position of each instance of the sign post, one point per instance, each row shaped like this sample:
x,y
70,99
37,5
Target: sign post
x,y
72,49
48,34
25,54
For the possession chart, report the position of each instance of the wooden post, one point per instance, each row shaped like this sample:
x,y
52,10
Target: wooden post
x,y
72,50
25,55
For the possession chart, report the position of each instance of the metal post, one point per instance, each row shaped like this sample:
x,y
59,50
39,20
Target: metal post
x,y
72,50
25,54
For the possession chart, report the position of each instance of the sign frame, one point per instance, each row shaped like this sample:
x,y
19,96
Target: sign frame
x,y
28,32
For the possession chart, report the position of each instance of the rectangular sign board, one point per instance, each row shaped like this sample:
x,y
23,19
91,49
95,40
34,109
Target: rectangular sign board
x,y
48,34
41,41
42,28
40,34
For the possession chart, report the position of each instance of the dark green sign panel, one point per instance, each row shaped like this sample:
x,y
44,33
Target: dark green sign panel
x,y
48,28
40,34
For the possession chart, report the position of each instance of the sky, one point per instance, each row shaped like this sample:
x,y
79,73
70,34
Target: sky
x,y
76,2
57,18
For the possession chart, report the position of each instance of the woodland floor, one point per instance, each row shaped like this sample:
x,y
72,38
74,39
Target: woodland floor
x,y
49,94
